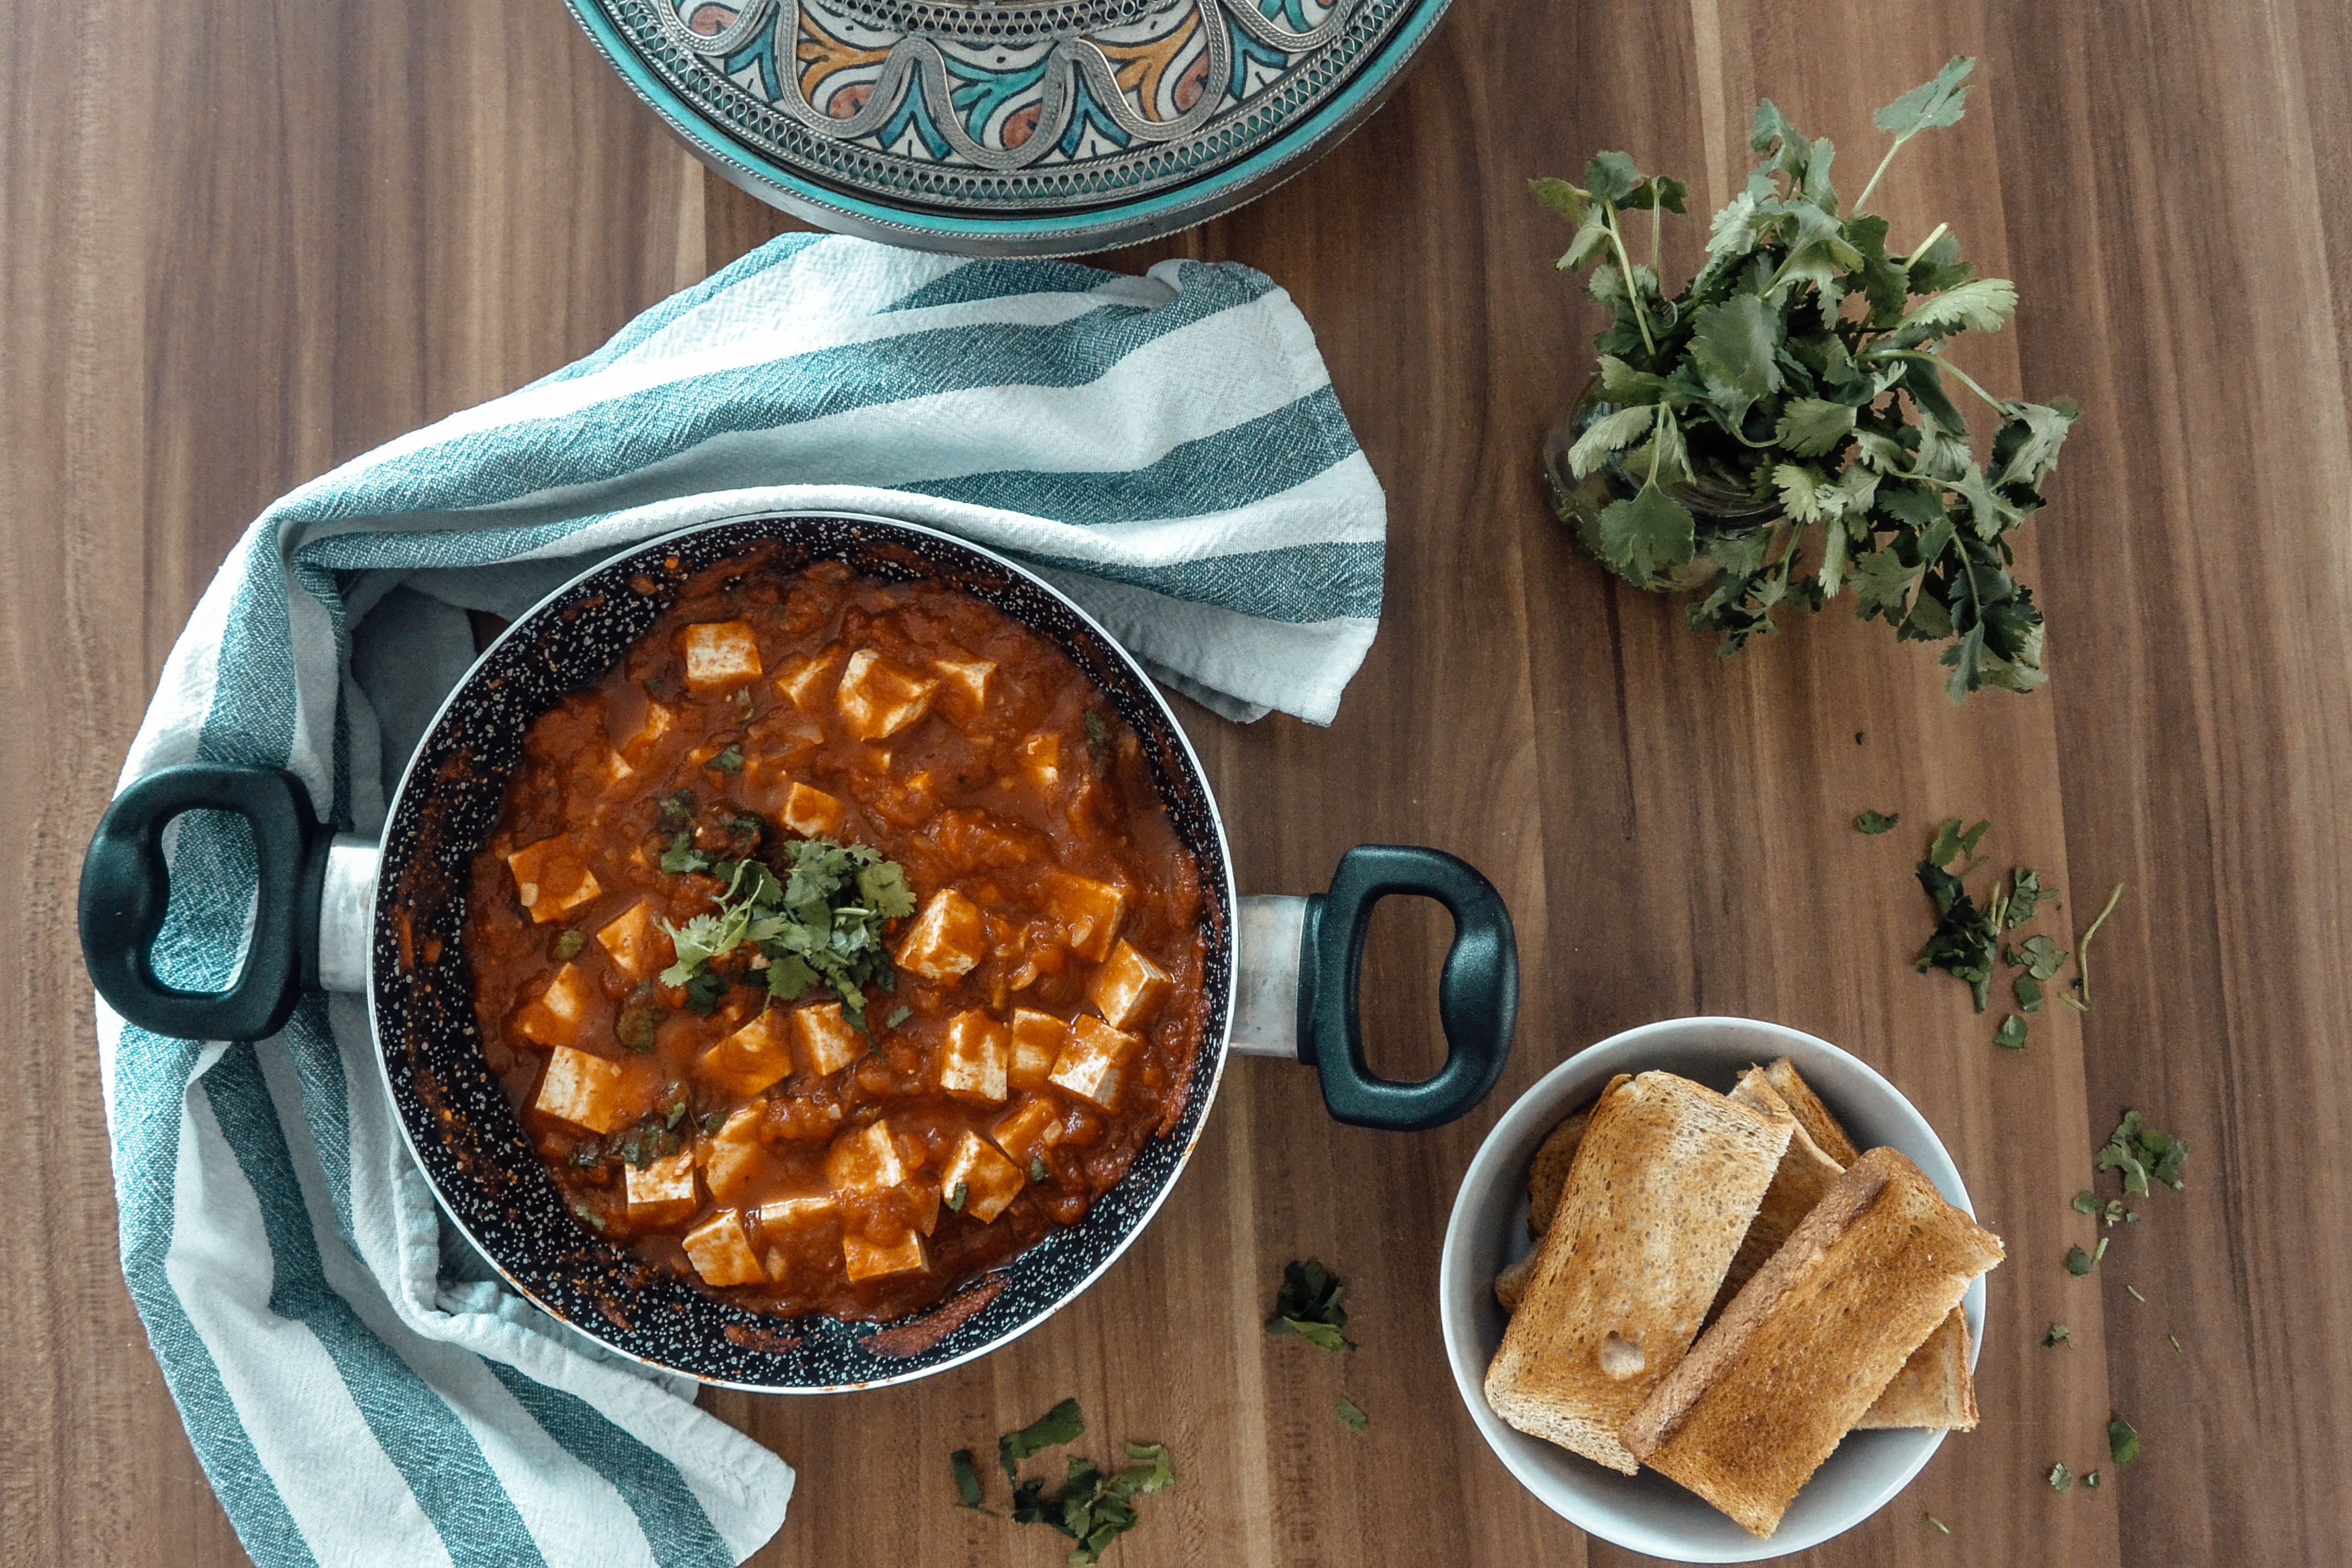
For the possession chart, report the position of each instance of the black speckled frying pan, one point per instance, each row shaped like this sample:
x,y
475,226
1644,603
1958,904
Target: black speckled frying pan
x,y
344,914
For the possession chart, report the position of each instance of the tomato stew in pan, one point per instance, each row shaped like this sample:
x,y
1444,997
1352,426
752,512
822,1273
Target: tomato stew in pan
x,y
835,947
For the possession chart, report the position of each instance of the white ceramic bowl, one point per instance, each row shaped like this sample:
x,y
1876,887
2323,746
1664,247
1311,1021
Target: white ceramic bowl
x,y
1489,1228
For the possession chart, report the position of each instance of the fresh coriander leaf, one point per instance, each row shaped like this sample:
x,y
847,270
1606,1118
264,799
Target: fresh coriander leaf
x,y
634,1028
2091,1480
588,1152
1353,1414
1569,202
1037,1172
2058,1334
1812,426
1097,733
705,991
1149,1470
1645,533
2011,1036
2028,992
728,761
1980,305
711,1123
568,945
1063,1424
1876,822
682,857
2043,958
2123,1443
967,1478
898,1015
1321,1335
1610,433
2086,1203
2060,1478
2142,1154
2078,1262
1312,1304
677,811
1734,344
956,1195
1931,105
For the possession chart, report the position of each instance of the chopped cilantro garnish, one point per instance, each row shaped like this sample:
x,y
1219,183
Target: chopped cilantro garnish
x,y
682,857
2078,1262
729,761
589,1218
2082,955
2133,1291
1093,1509
569,944
1876,822
2142,1155
2011,1036
1037,1172
898,1015
1939,1526
1353,1414
2091,1480
2174,1339
1097,733
1310,1304
2060,1478
956,1196
2123,1443
2058,1334
967,1479
635,1029
822,924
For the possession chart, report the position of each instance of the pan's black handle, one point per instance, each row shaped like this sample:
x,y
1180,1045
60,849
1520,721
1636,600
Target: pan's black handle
x,y
1478,992
126,888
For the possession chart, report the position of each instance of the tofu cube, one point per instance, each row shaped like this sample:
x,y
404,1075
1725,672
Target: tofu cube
x,y
989,1180
553,1017
866,1160
973,1059
795,1216
877,697
663,1191
803,680
1087,912
1034,1126
660,722
829,1041
875,1260
720,653
638,948
1129,988
963,684
750,1058
552,876
731,1156
721,1253
1040,762
1093,1066
947,939
1037,1042
812,814
587,1091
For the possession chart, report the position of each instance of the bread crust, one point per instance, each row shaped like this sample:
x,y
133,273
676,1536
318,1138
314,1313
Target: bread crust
x,y
1934,1390
1807,1173
1770,1391
1664,1186
1815,1118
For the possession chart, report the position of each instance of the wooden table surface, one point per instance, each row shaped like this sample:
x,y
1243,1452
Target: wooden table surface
x,y
241,242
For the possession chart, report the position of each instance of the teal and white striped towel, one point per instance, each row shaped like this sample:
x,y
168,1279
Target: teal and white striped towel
x,y
359,1389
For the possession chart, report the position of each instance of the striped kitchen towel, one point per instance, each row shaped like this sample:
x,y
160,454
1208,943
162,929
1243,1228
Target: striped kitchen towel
x,y
359,1388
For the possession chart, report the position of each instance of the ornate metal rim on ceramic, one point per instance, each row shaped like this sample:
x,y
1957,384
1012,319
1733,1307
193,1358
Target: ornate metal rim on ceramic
x,y
461,1126
1012,129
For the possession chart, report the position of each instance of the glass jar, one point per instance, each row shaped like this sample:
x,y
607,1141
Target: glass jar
x,y
1718,503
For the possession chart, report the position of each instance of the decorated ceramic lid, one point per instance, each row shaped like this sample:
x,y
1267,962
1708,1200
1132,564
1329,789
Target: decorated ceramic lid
x,y
1027,127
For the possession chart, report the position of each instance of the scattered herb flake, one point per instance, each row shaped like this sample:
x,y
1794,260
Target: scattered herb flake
x,y
2099,1252
898,1015
2175,1341
635,1029
2123,1443
2142,1154
967,1479
1310,1305
1940,1527
2083,954
589,1218
2058,1334
2041,957
2011,1036
956,1196
2078,1262
2062,1479
729,761
569,944
2091,1481
2028,992
2133,1291
711,1123
1097,732
1063,1424
1876,822
1857,736
1353,1414
2086,1203
1037,1172
682,859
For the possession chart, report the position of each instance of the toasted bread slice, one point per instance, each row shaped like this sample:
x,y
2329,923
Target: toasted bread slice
x,y
1812,1115
1549,1172
1512,1282
1806,1173
1664,1186
1746,1419
1934,1388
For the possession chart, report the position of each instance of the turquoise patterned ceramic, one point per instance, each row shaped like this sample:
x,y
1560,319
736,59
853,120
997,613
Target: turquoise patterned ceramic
x,y
1025,128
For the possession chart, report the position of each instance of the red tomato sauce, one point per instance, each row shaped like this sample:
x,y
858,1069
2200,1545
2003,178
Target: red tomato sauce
x,y
1046,1016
